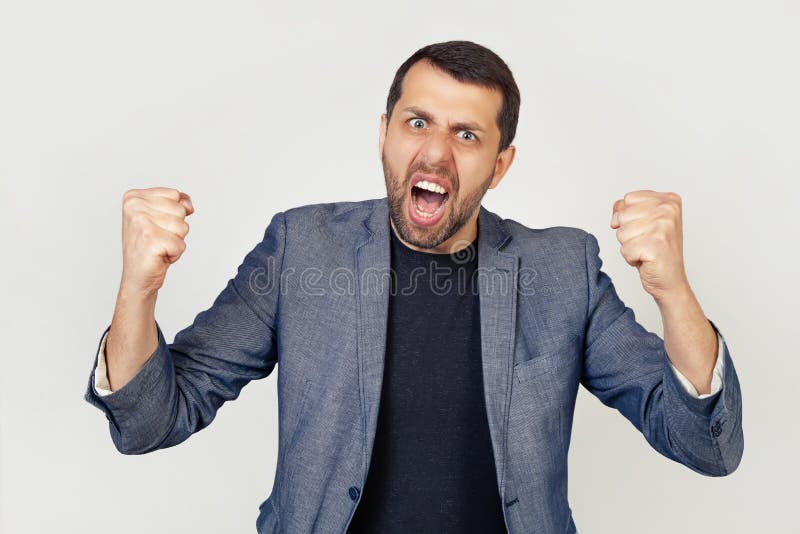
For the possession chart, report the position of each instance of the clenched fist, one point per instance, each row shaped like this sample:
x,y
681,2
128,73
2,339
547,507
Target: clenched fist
x,y
649,228
153,232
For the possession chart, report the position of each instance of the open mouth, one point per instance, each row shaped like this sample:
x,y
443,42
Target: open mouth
x,y
428,199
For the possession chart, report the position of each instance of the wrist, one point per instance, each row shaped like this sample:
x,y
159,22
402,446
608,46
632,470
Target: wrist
x,y
678,295
134,296
679,305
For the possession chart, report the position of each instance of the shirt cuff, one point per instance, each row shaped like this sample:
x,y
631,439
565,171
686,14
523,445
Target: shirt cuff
x,y
716,379
101,384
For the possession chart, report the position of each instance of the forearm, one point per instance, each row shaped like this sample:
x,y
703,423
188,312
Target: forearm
x,y
689,339
132,338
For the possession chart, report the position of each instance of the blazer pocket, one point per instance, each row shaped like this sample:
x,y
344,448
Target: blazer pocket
x,y
536,366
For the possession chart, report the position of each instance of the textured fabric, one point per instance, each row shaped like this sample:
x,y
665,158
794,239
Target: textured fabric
x,y
312,298
102,387
432,467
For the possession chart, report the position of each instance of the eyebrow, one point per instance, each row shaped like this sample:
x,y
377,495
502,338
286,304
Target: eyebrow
x,y
421,113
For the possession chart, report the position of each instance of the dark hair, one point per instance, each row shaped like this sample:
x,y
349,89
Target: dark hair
x,y
467,62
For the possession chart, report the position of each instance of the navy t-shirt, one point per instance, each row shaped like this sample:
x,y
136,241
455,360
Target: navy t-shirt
x,y
432,467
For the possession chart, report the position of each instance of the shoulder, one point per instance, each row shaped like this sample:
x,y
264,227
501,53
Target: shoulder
x,y
556,235
525,239
560,249
555,262
324,212
329,224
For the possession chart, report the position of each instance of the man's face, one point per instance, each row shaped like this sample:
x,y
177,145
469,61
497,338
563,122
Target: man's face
x,y
439,156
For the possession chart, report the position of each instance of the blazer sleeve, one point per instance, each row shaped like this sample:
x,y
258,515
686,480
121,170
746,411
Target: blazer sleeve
x,y
182,385
627,368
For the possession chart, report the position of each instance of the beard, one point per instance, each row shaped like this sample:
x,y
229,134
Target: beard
x,y
459,209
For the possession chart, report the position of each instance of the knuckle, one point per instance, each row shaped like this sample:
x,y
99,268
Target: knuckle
x,y
129,202
632,196
669,207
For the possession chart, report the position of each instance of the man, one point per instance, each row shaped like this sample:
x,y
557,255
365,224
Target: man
x,y
430,352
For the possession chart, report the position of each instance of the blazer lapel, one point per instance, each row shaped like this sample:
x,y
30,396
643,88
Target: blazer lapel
x,y
373,284
497,283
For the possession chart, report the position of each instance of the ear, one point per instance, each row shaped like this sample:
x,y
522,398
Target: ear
x,y
502,164
382,133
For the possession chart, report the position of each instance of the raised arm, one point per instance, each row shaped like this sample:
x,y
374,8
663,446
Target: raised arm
x,y
180,386
627,368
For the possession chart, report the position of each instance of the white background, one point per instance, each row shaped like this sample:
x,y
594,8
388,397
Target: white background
x,y
255,108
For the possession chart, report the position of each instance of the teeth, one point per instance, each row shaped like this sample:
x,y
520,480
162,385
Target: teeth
x,y
424,184
428,215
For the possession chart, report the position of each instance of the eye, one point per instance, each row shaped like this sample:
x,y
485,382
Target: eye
x,y
469,135
415,121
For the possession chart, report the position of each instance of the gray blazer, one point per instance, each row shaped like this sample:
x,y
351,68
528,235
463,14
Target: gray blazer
x,y
312,296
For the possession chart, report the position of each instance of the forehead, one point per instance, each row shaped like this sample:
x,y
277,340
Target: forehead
x,y
438,93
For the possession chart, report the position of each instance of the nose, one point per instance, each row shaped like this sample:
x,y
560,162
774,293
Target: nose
x,y
436,149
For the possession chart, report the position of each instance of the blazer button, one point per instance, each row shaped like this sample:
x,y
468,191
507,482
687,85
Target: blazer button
x,y
353,491
716,430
